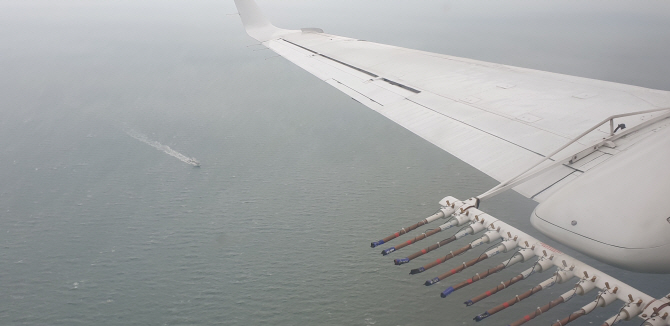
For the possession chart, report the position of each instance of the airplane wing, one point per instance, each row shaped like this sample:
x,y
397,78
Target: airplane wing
x,y
534,131
494,117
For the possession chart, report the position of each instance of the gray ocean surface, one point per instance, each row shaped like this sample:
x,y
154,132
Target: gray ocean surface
x,y
99,227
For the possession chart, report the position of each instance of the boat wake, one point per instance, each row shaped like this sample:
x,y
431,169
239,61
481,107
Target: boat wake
x,y
163,148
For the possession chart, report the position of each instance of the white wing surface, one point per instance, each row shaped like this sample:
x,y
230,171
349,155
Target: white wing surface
x,y
494,117
534,131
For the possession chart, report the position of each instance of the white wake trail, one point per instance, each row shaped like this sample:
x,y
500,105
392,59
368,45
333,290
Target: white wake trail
x,y
163,148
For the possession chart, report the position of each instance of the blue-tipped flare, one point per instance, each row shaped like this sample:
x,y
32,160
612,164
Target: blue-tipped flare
x,y
417,271
401,261
377,243
431,282
447,292
388,251
469,303
482,316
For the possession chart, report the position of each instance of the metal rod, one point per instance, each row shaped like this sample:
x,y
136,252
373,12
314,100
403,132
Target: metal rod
x,y
441,260
498,249
409,242
479,276
424,251
454,271
525,274
538,311
402,231
508,303
573,316
581,312
470,229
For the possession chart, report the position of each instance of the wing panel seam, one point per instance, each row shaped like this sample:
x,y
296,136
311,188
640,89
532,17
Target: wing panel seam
x,y
394,83
551,185
333,59
347,86
484,131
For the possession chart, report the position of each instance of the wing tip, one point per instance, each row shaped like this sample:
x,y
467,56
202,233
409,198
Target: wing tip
x,y
255,23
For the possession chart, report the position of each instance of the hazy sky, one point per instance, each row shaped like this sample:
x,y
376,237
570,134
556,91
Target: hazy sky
x,y
623,41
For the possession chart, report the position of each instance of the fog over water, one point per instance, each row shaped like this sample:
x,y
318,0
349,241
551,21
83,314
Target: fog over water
x,y
296,179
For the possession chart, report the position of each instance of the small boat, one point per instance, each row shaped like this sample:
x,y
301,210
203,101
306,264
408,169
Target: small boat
x,y
193,162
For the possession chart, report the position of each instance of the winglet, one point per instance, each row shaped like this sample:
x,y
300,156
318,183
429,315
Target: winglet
x,y
255,23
